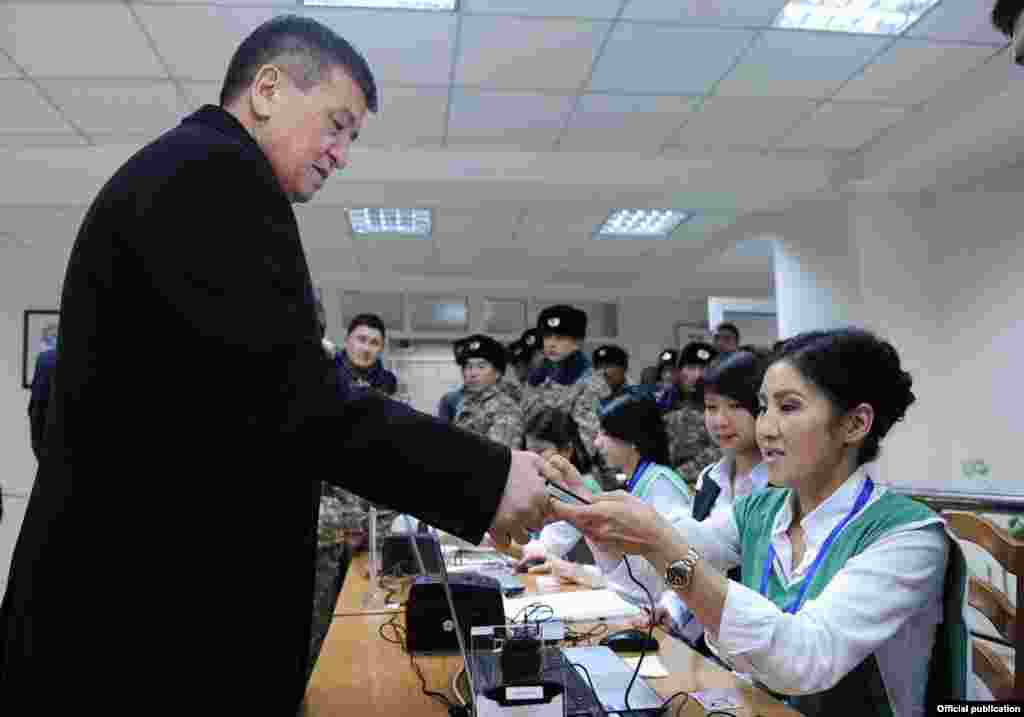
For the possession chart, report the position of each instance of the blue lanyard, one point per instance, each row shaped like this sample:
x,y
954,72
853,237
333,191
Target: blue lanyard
x,y
769,563
641,467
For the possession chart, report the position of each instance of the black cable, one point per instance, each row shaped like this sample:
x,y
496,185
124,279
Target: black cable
x,y
650,632
597,699
719,713
665,706
399,639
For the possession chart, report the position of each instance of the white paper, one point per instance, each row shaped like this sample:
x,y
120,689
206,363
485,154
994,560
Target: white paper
x,y
719,698
651,666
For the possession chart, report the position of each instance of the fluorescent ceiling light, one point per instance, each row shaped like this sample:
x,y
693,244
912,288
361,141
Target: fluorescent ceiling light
x,y
386,4
642,223
401,222
868,17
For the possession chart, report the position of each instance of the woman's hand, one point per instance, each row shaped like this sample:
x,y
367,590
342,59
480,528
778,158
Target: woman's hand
x,y
660,618
621,523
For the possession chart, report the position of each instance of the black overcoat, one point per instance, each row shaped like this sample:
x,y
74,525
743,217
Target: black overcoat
x,y
195,409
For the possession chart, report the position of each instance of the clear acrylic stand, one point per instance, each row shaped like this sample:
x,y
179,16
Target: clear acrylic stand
x,y
375,596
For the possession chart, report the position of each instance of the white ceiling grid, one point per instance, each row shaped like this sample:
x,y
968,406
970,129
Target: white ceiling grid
x,y
566,77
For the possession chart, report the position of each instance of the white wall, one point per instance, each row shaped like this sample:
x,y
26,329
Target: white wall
x,y
29,279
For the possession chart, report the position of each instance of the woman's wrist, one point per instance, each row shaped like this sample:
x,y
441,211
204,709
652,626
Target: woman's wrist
x,y
670,548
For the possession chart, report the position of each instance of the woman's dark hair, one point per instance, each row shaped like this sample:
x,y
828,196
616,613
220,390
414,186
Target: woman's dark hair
x,y
556,426
638,420
305,49
736,376
1005,14
853,366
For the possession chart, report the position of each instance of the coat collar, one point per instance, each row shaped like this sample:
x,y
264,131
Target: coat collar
x,y
566,372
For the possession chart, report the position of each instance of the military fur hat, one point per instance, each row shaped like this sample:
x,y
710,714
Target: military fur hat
x,y
480,346
697,353
457,347
610,355
668,357
562,320
531,341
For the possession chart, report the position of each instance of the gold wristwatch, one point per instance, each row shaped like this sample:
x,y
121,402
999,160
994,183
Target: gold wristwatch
x,y
679,574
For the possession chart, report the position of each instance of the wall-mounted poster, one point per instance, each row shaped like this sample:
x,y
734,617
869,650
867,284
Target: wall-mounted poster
x,y
39,334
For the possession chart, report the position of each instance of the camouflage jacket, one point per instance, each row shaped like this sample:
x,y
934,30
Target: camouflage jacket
x,y
492,412
690,446
582,400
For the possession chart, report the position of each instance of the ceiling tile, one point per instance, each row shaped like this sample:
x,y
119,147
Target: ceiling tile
x,y
8,71
326,260
721,13
408,117
401,47
26,111
462,238
594,9
843,126
913,71
527,53
666,60
9,141
113,107
197,41
791,63
386,255
959,21
625,123
122,52
324,227
741,122
506,118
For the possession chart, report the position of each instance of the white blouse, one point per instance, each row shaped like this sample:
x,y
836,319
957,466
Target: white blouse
x,y
887,600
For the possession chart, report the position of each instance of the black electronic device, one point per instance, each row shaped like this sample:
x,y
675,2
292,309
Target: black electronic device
x,y
428,622
398,560
525,565
630,640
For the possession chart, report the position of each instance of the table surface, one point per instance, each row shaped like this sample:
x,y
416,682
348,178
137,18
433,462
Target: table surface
x,y
359,673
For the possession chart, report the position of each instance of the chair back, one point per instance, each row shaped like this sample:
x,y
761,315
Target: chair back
x,y
994,604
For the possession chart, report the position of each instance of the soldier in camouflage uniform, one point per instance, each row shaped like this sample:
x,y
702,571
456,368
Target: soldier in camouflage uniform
x,y
690,446
359,365
488,407
566,378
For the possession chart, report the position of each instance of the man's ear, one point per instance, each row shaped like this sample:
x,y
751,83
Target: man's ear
x,y
265,91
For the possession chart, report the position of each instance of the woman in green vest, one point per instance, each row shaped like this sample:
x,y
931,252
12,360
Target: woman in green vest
x,y
841,604
632,439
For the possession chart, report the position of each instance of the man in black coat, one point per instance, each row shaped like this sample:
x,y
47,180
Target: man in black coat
x,y
182,577
40,397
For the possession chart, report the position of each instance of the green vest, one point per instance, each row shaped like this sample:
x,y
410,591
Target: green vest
x,y
655,471
861,690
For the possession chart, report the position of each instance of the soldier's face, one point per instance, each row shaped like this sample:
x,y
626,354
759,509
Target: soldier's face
x,y
729,424
691,374
615,376
557,347
478,372
725,341
363,345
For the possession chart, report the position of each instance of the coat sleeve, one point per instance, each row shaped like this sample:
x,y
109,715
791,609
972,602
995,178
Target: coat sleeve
x,y
241,282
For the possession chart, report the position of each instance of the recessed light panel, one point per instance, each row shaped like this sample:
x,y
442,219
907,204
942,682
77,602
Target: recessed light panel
x,y
866,17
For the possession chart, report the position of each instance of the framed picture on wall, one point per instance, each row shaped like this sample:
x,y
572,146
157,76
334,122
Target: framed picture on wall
x,y
38,335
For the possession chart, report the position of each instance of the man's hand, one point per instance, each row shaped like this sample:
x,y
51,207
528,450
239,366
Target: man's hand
x,y
525,506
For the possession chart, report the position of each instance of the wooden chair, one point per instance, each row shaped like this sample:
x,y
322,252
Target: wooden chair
x,y
993,604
